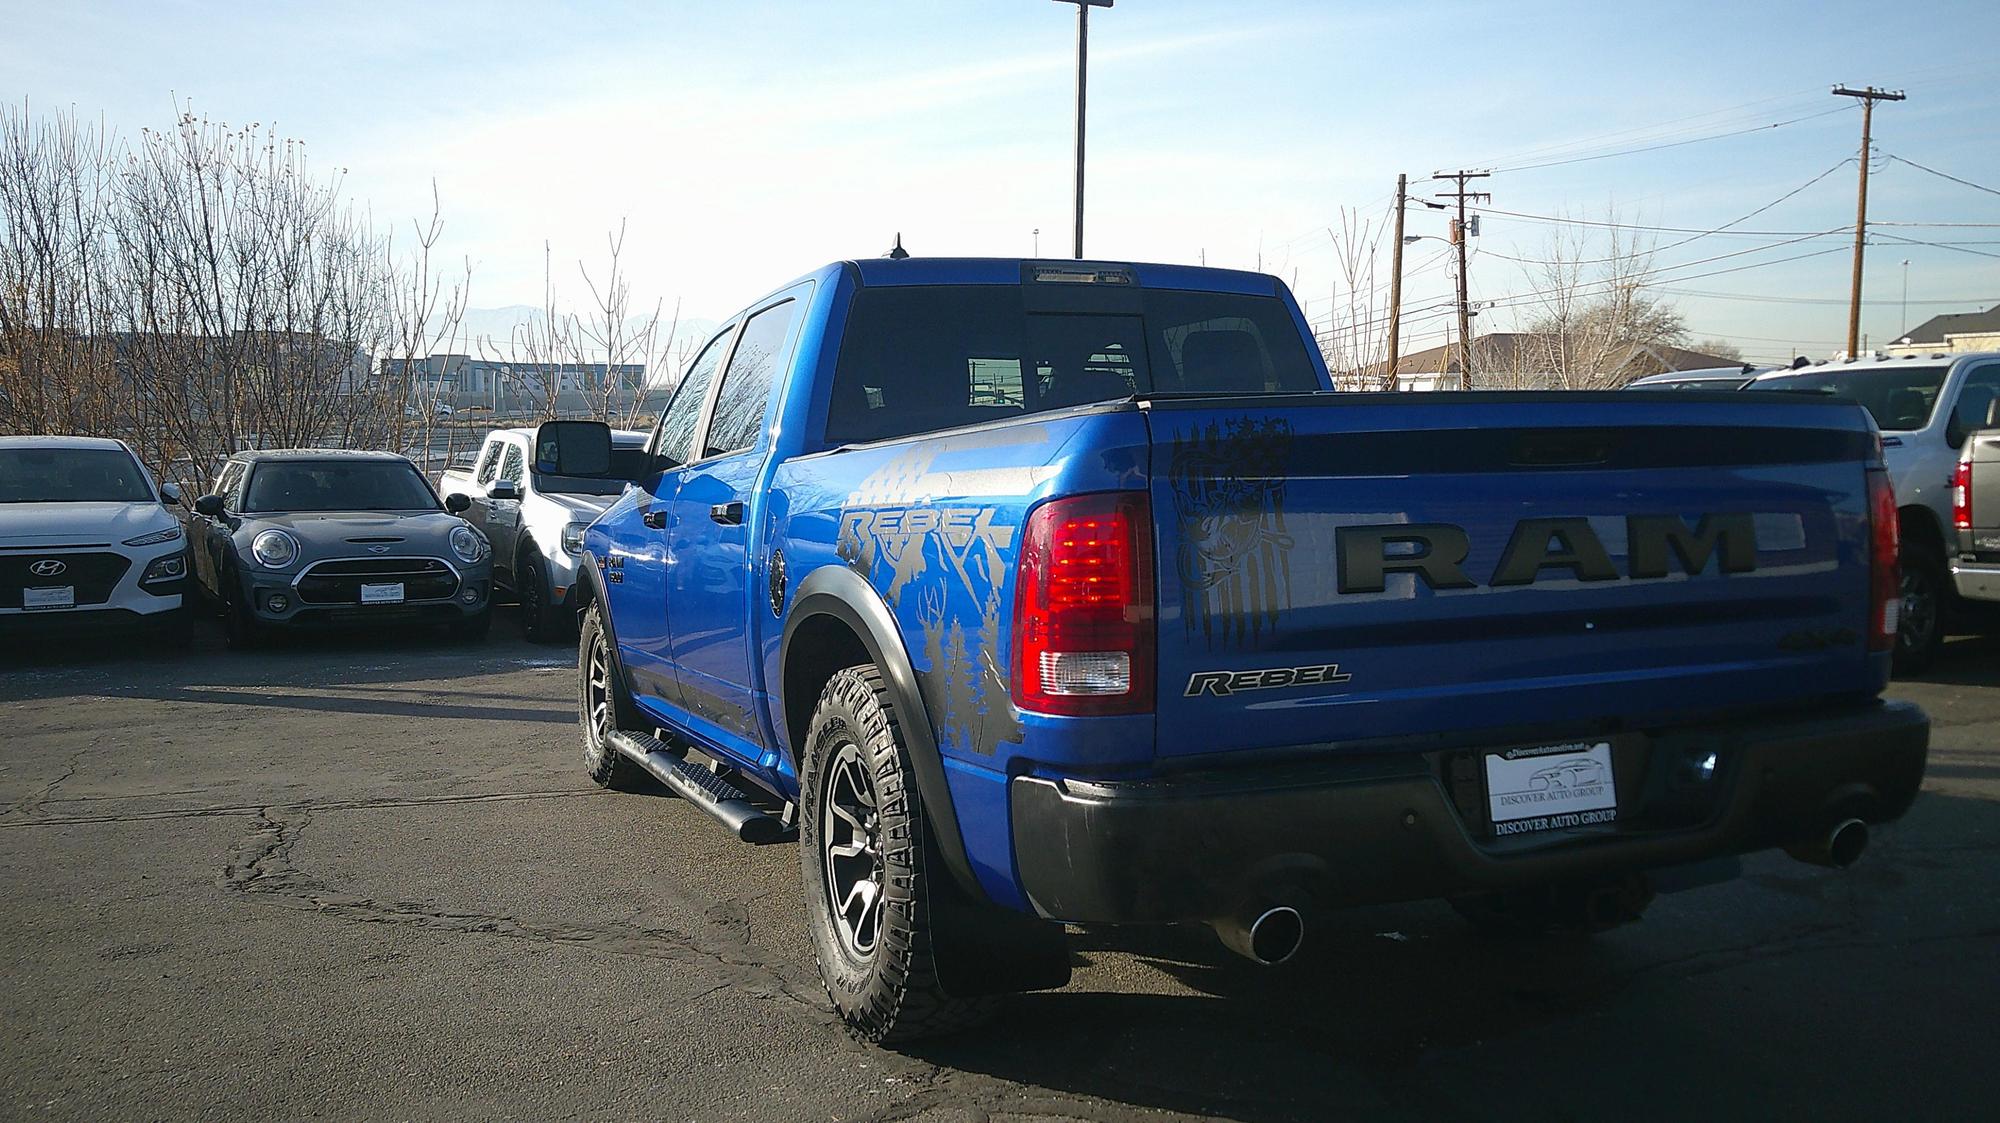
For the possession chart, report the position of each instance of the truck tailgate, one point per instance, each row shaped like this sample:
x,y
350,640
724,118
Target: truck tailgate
x,y
1343,568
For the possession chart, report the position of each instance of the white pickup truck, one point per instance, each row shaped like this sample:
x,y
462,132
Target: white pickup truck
x,y
533,491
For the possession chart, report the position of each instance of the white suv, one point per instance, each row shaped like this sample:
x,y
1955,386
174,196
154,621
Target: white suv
x,y
86,541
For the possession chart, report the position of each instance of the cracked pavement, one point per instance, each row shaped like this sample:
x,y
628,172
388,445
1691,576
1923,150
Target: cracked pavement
x,y
367,878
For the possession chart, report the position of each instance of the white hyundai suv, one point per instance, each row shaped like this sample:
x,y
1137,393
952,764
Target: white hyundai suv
x,y
86,542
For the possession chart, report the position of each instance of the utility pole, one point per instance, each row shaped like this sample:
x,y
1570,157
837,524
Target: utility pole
x,y
1396,284
1083,8
1868,97
1458,239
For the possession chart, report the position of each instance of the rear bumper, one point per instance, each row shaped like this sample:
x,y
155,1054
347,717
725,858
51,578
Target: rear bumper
x,y
1976,580
1395,827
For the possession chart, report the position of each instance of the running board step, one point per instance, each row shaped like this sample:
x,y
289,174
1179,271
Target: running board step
x,y
700,787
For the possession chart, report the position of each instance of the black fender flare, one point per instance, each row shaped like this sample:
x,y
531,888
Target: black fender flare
x,y
839,592
595,580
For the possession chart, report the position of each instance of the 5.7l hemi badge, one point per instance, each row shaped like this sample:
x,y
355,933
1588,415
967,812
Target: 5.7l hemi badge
x,y
1229,682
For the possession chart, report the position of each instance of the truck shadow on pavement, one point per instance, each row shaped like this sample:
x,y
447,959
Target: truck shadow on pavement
x,y
1736,1000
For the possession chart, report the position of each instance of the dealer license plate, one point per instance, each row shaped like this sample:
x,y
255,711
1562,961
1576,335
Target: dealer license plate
x,y
382,594
1547,787
62,596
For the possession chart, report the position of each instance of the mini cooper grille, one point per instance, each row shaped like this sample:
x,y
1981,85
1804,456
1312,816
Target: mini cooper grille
x,y
93,576
339,582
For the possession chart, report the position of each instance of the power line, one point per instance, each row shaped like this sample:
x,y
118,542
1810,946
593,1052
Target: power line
x,y
1672,144
1942,175
1766,298
1938,245
1585,143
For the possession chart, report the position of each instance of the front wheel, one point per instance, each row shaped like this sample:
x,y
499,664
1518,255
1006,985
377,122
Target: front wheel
x,y
1921,628
869,889
540,620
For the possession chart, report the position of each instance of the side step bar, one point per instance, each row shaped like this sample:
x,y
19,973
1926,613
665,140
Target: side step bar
x,y
700,787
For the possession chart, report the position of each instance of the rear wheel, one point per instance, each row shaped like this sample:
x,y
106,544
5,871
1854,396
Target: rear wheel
x,y
1920,630
603,707
869,887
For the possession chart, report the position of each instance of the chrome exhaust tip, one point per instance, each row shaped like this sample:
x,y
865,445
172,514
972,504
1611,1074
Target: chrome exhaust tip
x,y
1839,847
1269,935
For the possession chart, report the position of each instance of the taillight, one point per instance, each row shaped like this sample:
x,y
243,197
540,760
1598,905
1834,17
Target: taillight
x,y
1083,607
1885,574
1961,496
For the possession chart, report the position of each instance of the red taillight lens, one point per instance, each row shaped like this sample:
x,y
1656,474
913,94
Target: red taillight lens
x,y
1083,607
1961,496
1885,573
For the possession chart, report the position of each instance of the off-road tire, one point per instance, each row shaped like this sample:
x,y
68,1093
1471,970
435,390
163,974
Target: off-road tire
x,y
600,681
1920,635
892,993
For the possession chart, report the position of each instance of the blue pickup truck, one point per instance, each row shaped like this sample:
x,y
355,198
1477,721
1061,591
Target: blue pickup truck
x,y
1032,592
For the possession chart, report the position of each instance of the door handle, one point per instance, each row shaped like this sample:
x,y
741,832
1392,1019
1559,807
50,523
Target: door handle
x,y
657,519
728,514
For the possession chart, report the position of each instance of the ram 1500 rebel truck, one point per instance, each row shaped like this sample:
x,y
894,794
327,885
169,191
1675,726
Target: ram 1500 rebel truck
x,y
1975,515
1926,406
534,514
1041,592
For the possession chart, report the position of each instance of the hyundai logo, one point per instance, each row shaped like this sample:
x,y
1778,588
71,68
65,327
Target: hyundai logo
x,y
48,567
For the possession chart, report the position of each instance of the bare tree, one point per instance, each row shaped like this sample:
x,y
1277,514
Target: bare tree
x,y
1354,339
1592,313
610,331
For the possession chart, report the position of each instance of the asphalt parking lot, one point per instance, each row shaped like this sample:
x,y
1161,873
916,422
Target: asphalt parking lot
x,y
367,878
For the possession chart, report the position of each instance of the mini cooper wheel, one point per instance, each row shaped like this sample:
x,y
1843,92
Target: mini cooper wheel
x,y
862,855
603,707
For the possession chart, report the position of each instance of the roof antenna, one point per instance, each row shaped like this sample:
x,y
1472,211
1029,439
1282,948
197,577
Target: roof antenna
x,y
897,252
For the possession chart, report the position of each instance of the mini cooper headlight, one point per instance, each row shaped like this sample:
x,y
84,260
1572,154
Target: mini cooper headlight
x,y
275,549
170,534
572,538
468,544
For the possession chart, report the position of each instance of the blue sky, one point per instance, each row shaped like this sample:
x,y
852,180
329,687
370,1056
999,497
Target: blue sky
x,y
748,142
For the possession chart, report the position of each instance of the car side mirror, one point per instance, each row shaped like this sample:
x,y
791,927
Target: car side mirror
x,y
457,503
504,489
170,493
210,505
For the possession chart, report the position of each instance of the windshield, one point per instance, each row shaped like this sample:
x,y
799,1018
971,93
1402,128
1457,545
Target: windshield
x,y
71,475
337,485
1900,398
914,359
627,464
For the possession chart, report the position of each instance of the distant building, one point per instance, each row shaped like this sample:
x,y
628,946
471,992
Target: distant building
x,y
508,387
1511,361
1952,332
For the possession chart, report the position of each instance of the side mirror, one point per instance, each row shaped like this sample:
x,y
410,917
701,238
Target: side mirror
x,y
170,493
573,448
457,503
504,489
210,505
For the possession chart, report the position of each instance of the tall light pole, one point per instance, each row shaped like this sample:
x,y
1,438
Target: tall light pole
x,y
1083,8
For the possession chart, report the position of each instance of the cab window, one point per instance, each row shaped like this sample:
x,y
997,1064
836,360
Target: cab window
x,y
746,385
489,462
511,468
675,439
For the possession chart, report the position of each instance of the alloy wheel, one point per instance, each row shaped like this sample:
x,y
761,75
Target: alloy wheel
x,y
851,838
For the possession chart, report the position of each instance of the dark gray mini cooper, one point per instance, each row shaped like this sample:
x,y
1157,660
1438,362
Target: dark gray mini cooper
x,y
312,538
